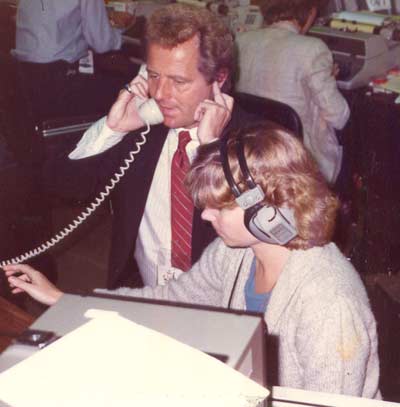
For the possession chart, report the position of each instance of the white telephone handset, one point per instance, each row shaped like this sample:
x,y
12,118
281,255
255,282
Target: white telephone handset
x,y
148,109
150,112
151,115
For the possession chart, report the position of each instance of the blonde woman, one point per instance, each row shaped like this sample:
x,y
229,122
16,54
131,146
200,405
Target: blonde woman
x,y
314,302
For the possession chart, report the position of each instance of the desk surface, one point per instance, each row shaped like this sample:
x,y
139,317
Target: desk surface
x,y
390,284
13,321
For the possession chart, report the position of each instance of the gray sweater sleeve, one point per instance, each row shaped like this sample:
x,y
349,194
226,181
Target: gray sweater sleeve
x,y
333,344
202,284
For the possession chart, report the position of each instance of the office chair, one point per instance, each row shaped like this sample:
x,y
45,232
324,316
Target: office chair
x,y
271,110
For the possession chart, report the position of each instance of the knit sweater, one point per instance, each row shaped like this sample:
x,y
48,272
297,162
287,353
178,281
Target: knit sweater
x,y
319,313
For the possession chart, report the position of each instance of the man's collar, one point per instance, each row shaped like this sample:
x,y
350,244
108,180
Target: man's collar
x,y
192,131
286,25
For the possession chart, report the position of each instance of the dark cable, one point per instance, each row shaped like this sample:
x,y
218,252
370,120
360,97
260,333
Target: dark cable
x,y
235,282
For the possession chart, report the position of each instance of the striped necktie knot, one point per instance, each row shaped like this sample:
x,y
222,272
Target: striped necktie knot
x,y
184,139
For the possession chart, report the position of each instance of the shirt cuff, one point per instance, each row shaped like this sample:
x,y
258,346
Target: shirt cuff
x,y
97,139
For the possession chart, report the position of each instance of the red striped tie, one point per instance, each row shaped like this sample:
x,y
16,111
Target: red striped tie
x,y
181,208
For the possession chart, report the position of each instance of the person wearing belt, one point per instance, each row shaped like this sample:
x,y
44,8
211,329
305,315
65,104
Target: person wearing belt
x,y
51,37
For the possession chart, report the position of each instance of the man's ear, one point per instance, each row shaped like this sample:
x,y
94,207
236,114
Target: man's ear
x,y
221,77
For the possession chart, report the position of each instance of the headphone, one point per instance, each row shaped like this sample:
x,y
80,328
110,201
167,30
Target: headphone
x,y
267,223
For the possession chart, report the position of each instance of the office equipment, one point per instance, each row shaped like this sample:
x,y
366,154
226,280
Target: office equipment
x,y
289,397
126,6
245,18
360,56
112,360
362,17
238,337
371,5
379,5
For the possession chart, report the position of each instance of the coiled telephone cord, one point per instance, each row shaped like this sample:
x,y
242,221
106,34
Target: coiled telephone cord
x,y
87,211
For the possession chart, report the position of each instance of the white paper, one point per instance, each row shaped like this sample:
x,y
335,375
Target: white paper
x,y
111,361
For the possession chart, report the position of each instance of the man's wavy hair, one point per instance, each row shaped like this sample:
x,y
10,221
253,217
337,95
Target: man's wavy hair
x,y
177,23
281,10
285,171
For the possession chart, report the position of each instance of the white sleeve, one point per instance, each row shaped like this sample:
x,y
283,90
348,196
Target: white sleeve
x,y
96,27
322,84
97,139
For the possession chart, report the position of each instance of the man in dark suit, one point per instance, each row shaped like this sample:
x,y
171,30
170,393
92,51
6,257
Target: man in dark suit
x,y
190,60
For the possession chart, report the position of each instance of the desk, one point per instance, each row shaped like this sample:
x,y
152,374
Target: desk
x,y
13,321
385,298
372,144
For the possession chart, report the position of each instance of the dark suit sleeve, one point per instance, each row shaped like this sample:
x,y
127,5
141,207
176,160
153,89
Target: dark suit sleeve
x,y
80,180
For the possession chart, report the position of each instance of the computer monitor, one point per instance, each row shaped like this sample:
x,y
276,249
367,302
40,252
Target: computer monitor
x,y
235,337
356,5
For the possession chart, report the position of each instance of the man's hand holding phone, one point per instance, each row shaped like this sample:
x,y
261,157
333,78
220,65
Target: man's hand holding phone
x,y
123,116
213,115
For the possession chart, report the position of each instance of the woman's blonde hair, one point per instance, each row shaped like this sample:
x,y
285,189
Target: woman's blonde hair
x,y
285,171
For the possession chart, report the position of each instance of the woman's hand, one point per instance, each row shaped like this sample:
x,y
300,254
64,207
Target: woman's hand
x,y
23,278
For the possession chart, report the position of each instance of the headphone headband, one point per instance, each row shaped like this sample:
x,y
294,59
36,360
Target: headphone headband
x,y
223,150
254,194
243,164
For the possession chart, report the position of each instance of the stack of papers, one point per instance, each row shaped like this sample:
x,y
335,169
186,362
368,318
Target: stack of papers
x,y
111,361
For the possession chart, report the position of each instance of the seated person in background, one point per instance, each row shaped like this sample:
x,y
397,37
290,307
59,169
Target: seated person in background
x,y
189,63
281,63
314,301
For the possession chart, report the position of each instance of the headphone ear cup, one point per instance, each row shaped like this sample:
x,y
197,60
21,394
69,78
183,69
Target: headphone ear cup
x,y
250,217
269,224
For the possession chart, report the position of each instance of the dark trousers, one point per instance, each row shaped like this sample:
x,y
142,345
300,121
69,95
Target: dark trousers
x,y
49,91
57,90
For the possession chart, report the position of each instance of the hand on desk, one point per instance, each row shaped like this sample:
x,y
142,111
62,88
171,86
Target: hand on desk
x,y
23,278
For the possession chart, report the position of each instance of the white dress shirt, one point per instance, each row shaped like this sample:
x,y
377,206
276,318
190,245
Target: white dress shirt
x,y
153,245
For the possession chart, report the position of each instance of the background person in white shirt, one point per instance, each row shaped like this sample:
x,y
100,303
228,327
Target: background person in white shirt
x,y
45,83
282,63
51,37
189,65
